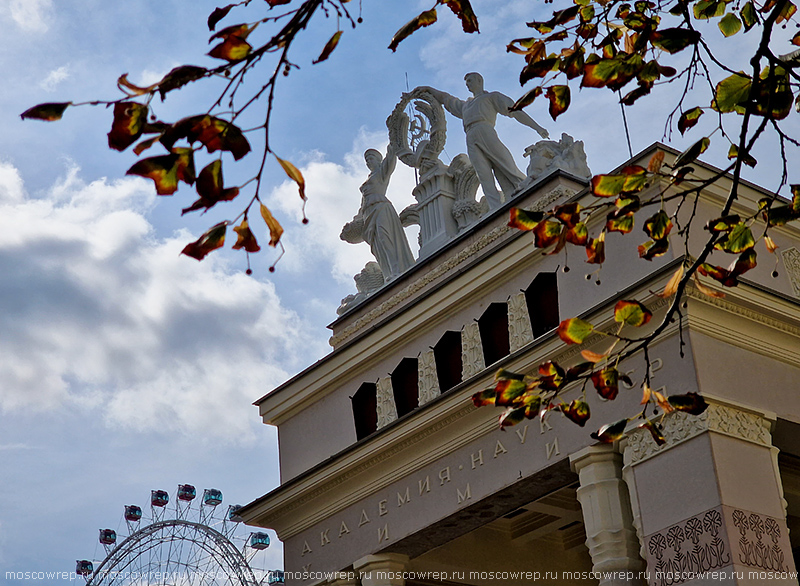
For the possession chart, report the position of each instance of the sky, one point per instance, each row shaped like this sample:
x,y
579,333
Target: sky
x,y
125,366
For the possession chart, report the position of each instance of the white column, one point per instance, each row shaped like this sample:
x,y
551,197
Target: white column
x,y
607,516
385,569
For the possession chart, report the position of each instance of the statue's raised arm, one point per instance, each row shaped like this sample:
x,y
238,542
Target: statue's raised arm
x,y
490,157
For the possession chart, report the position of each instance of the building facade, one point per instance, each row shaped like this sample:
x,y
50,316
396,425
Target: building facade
x,y
390,475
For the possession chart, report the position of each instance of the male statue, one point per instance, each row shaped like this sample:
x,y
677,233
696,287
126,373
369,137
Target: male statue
x,y
490,157
377,222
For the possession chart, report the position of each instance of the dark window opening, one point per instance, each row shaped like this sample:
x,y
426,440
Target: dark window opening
x,y
365,410
405,386
447,353
542,299
493,325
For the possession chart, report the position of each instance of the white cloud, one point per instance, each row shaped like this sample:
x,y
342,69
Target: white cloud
x,y
333,200
101,314
31,15
55,77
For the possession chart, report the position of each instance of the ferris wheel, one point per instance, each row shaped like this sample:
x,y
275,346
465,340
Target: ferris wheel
x,y
190,542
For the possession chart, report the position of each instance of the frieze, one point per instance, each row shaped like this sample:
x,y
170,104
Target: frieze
x,y
440,270
678,427
761,542
696,545
387,411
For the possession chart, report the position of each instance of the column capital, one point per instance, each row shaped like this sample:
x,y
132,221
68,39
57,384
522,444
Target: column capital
x,y
593,455
382,569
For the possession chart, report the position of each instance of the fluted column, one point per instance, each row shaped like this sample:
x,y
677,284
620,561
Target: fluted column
x,y
607,516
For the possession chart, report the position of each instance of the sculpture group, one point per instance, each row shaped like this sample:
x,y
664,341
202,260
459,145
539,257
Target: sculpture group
x,y
445,195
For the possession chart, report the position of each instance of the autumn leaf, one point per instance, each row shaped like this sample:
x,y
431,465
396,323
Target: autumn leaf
x,y
606,382
673,40
511,417
546,233
689,119
217,15
167,170
654,166
212,132
129,121
593,357
658,226
527,99
559,100
655,431
739,239
275,229
212,239
463,10
245,238
295,175
611,432
179,77
210,188
671,287
507,390
770,244
484,398
596,250
328,48
49,112
653,248
632,313
574,330
523,219
426,18
630,180
691,403
577,411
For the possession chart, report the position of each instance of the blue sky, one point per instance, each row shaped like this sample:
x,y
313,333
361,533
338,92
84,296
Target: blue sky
x,y
126,367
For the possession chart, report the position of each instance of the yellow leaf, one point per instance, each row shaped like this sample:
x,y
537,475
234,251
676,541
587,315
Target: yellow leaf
x,y
275,229
707,290
593,356
654,166
771,246
646,394
294,174
672,286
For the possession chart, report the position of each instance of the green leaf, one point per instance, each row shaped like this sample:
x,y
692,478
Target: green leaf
x,y
673,40
129,121
739,239
692,152
632,313
731,93
523,219
730,24
424,19
574,330
689,119
49,112
559,100
212,239
620,223
658,226
749,16
707,9
630,180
